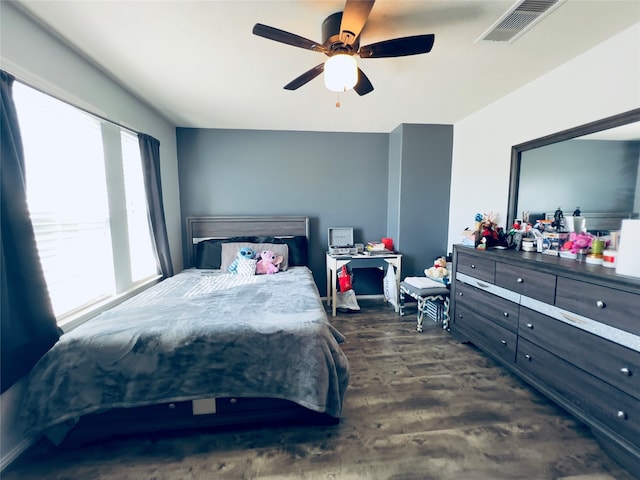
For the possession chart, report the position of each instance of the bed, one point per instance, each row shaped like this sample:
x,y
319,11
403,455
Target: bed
x,y
203,348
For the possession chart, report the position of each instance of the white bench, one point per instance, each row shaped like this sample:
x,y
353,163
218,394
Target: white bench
x,y
425,290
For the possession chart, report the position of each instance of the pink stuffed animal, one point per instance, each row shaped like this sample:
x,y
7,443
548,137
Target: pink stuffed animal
x,y
269,263
577,241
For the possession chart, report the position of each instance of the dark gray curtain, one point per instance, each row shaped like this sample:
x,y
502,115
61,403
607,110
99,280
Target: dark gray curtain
x,y
29,327
150,152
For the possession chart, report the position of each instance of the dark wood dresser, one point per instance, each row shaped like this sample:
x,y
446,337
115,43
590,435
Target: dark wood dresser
x,y
569,329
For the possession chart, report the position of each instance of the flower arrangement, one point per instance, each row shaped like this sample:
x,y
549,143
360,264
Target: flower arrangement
x,y
488,233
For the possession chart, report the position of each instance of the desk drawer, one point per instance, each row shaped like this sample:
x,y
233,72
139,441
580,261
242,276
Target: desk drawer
x,y
599,400
485,334
607,305
604,359
477,267
497,309
530,283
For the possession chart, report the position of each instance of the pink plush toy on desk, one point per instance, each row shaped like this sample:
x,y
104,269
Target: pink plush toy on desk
x,y
269,263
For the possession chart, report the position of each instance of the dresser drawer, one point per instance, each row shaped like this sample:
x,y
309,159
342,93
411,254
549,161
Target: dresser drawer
x,y
530,283
599,400
607,305
485,334
612,363
477,267
501,311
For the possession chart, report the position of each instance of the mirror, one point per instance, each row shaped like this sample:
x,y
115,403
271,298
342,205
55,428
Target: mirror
x,y
594,167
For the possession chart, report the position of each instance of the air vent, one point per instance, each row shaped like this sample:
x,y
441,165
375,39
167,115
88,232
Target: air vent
x,y
521,17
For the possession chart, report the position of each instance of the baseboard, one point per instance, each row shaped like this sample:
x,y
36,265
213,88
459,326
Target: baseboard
x,y
375,296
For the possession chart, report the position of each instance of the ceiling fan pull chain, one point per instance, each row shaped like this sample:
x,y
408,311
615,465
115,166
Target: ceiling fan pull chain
x,y
338,105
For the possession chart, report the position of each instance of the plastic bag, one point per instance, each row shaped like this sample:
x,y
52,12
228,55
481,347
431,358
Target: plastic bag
x,y
391,287
347,301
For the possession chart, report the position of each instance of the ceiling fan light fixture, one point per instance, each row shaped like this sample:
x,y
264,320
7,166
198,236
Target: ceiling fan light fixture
x,y
340,72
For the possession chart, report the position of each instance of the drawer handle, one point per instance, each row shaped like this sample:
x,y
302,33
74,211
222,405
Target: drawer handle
x,y
519,280
473,266
621,415
506,314
625,371
460,294
172,405
459,315
504,342
528,357
233,400
530,325
600,304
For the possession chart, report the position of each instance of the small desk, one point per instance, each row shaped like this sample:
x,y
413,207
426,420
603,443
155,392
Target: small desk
x,y
335,263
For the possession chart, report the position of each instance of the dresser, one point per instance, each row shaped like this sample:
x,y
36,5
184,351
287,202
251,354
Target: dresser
x,y
569,329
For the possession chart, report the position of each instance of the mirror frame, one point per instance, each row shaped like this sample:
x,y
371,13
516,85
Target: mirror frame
x,y
516,151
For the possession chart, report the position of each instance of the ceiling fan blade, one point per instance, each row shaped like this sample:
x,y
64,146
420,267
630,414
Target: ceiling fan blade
x,y
363,86
355,16
305,77
288,38
398,47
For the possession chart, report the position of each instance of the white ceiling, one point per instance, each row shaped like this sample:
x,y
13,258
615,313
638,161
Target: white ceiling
x,y
199,65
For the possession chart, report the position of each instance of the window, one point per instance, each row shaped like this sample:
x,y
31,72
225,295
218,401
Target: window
x,y
86,198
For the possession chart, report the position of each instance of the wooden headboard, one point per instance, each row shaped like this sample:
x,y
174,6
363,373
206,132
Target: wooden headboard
x,y
201,228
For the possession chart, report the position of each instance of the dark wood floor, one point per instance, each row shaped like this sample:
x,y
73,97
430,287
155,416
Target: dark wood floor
x,y
419,406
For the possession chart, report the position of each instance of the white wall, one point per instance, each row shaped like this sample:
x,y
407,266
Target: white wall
x,y
36,58
602,82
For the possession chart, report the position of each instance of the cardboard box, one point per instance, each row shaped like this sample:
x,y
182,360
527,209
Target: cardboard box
x,y
470,238
552,242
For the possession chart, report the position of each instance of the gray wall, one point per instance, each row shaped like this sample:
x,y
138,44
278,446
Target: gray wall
x,y
393,181
337,179
420,177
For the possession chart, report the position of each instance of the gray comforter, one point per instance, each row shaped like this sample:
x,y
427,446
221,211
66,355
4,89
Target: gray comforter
x,y
201,333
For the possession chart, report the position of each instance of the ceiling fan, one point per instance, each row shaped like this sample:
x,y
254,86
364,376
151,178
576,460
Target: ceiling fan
x,y
341,34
